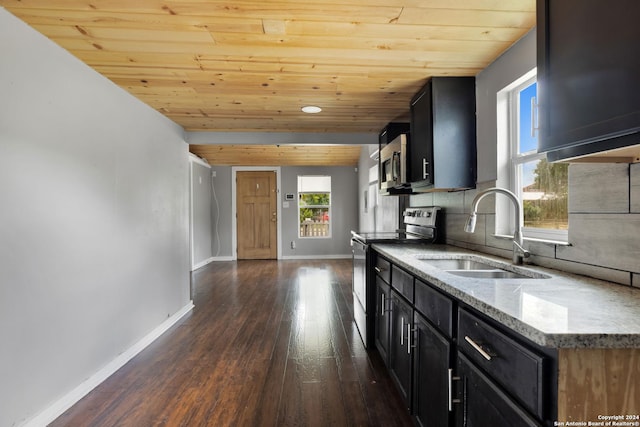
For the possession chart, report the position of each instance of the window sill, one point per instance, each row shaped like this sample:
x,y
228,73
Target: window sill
x,y
533,239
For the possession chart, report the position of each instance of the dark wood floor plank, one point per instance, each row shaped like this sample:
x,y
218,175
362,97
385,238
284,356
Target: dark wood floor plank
x,y
269,343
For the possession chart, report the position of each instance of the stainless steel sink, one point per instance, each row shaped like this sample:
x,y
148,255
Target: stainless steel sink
x,y
473,266
489,274
459,264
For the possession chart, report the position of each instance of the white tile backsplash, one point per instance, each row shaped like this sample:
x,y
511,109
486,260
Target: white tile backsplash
x,y
604,224
599,188
634,187
606,240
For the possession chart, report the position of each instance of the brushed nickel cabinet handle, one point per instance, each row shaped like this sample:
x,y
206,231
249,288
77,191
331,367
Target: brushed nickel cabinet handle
x,y
377,269
450,379
478,348
425,174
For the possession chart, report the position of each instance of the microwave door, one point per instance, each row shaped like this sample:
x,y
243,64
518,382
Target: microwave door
x,y
396,168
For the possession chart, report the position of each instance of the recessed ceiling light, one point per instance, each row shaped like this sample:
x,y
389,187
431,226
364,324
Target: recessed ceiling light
x,y
311,109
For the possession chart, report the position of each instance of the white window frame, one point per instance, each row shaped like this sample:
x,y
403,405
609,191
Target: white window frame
x,y
328,235
509,165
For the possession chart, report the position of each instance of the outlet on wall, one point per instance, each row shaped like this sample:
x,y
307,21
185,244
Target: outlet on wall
x,y
293,244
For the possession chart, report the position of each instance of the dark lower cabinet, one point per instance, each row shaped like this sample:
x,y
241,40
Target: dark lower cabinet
x,y
484,404
431,363
383,309
400,345
454,367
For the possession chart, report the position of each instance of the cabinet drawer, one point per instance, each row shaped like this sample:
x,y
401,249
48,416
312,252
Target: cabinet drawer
x,y
435,307
402,282
519,370
383,269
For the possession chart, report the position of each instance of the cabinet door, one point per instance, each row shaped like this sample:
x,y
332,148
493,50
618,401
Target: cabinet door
x,y
420,151
484,404
400,345
431,363
442,151
588,76
383,304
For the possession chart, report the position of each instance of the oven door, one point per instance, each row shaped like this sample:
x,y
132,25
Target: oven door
x,y
359,283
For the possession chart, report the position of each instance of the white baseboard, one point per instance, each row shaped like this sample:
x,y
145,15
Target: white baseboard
x,y
344,256
224,258
201,263
65,402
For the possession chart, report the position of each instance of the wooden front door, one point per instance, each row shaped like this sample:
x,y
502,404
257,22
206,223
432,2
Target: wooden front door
x,y
256,214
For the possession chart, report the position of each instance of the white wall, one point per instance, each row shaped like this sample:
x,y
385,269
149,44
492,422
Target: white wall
x,y
344,212
512,64
367,219
93,221
201,218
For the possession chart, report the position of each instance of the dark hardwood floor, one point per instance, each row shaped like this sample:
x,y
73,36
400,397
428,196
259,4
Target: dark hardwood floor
x,y
269,343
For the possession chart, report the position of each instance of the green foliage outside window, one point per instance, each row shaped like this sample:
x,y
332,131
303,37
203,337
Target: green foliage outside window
x,y
314,199
550,211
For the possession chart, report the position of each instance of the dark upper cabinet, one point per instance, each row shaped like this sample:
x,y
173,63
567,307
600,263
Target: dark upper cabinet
x,y
391,131
442,152
589,76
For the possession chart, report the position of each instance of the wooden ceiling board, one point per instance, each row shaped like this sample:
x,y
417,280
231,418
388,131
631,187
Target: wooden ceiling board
x,y
279,155
239,65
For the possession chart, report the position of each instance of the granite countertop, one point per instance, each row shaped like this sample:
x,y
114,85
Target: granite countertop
x,y
561,311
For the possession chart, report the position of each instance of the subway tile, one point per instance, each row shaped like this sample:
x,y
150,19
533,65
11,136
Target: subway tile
x,y
610,275
452,201
634,189
454,229
423,199
607,240
599,188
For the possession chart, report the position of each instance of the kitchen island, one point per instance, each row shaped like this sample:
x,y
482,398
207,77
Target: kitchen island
x,y
585,331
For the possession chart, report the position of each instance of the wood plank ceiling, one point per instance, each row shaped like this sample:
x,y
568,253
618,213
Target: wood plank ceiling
x,y
220,65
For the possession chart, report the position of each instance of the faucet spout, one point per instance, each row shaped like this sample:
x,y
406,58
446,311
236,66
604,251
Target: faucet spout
x,y
519,252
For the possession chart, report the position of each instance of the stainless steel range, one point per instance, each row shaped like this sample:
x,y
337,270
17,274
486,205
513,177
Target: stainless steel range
x,y
422,225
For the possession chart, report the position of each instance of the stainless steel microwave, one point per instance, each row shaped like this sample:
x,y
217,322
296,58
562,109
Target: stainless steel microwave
x,y
393,165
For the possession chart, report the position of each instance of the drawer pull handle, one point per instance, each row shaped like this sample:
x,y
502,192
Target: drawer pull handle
x,y
450,379
478,348
377,269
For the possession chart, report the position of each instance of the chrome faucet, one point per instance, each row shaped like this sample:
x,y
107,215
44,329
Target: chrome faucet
x,y
519,252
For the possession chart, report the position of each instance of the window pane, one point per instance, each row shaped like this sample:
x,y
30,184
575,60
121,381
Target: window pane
x,y
315,199
314,206
545,194
527,141
314,222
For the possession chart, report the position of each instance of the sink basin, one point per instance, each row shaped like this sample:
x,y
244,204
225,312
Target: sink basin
x,y
489,274
476,267
459,264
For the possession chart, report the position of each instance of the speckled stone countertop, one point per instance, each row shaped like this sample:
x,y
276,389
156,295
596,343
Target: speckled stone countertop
x,y
560,311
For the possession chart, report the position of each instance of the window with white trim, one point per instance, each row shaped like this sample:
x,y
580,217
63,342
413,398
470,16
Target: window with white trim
x,y
541,186
314,206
